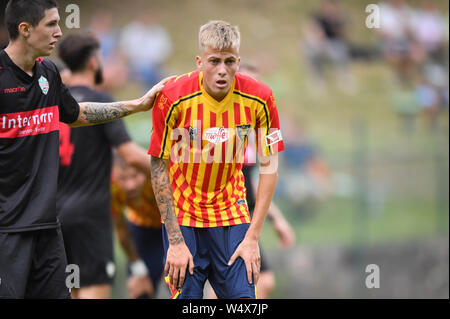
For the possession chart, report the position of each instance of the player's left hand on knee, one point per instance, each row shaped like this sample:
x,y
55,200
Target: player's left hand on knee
x,y
248,250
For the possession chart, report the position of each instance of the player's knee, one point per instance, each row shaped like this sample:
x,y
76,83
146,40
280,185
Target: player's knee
x,y
95,292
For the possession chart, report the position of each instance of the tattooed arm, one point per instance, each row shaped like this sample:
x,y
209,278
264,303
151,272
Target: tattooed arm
x,y
92,113
178,255
96,113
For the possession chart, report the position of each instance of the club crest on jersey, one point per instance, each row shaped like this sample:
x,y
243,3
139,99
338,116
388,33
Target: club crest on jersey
x,y
43,83
193,133
242,131
216,135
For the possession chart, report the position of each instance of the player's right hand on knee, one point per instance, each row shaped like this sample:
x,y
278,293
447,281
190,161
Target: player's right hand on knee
x,y
178,259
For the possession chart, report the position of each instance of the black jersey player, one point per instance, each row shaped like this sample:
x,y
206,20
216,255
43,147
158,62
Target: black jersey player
x,y
33,101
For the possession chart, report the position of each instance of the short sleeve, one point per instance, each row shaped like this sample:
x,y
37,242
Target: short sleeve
x,y
164,119
269,140
69,109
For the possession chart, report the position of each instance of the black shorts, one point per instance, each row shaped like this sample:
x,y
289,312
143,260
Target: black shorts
x,y
90,247
33,265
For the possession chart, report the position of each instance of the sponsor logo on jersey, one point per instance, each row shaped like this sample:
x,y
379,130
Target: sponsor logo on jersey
x,y
274,138
43,83
14,90
216,135
39,121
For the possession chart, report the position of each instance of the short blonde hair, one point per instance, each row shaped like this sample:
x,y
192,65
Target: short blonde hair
x,y
219,35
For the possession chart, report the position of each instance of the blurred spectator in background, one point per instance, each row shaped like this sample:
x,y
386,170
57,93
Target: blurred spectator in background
x,y
395,38
407,103
307,175
324,42
147,46
414,42
115,69
429,31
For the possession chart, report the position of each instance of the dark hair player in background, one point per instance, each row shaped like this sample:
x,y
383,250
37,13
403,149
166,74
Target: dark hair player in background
x,y
84,196
33,101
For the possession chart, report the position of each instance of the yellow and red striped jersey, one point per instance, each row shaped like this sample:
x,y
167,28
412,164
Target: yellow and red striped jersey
x,y
205,141
142,212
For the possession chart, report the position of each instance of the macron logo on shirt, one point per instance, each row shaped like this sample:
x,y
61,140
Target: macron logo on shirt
x,y
14,90
20,124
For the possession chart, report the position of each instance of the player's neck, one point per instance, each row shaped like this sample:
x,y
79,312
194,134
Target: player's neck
x,y
85,78
23,58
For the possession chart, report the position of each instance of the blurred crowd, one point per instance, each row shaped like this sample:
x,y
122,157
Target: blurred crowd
x,y
138,52
413,41
134,54
325,43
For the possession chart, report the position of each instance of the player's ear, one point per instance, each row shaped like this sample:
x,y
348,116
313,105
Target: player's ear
x,y
25,29
93,63
198,60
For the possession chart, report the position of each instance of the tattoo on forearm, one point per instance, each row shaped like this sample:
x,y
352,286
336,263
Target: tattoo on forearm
x,y
164,198
104,112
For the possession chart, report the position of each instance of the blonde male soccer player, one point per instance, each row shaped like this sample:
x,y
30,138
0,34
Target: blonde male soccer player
x,y
201,121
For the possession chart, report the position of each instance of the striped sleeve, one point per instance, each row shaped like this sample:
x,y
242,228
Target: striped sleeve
x,y
164,118
269,140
